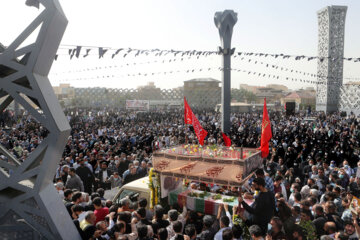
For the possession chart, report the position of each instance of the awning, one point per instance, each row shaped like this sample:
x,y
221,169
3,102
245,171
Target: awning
x,y
222,169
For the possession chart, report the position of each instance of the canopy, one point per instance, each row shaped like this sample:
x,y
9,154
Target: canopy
x,y
219,165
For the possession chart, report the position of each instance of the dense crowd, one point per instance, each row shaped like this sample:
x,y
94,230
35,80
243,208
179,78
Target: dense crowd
x,y
304,191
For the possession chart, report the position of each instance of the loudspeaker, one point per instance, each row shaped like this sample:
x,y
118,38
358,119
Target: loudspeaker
x,y
290,108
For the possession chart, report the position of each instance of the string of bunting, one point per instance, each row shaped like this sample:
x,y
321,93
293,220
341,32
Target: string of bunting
x,y
253,73
273,76
172,60
268,65
75,51
296,57
140,74
281,68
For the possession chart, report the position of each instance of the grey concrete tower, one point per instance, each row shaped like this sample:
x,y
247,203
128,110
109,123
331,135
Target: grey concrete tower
x,y
331,23
225,22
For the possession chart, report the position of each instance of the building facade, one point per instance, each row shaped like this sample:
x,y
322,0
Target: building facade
x,y
203,93
302,98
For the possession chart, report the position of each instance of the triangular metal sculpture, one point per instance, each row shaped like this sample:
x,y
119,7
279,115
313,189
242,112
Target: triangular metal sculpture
x,y
30,207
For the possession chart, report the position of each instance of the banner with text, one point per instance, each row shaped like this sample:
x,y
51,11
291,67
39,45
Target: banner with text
x,y
139,105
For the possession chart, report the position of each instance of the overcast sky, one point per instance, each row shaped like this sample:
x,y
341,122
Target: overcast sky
x,y
276,26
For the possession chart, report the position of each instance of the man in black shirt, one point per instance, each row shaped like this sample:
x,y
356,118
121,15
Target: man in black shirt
x,y
159,222
141,213
263,207
123,164
87,177
103,176
208,231
320,220
131,176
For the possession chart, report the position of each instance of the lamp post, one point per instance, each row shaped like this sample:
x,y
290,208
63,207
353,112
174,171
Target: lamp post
x,y
225,22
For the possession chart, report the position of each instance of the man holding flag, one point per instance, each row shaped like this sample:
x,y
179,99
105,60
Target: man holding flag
x,y
266,134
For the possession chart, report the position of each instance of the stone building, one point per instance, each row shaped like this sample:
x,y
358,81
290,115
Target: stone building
x,y
64,91
203,93
272,95
302,98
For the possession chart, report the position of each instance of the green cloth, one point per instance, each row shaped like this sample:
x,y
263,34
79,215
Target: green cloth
x,y
199,205
173,196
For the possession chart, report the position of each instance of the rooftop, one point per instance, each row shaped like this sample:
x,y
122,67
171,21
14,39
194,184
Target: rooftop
x,y
202,80
301,94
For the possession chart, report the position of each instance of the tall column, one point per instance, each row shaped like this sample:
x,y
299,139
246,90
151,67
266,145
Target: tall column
x,y
225,22
331,23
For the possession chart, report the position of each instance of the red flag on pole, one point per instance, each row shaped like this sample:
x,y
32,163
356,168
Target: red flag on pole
x,y
199,131
187,113
227,140
266,134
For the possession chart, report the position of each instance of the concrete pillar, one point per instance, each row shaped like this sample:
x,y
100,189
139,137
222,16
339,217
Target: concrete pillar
x,y
331,23
225,22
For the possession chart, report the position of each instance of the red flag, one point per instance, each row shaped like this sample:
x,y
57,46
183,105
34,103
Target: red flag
x,y
266,134
199,131
227,140
187,113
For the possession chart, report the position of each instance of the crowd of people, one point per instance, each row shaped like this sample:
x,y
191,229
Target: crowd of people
x,y
305,190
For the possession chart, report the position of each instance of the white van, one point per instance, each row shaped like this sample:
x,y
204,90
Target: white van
x,y
138,187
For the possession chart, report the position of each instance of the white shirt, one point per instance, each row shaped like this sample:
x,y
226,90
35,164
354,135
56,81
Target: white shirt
x,y
61,193
104,176
291,199
81,216
283,191
218,235
181,218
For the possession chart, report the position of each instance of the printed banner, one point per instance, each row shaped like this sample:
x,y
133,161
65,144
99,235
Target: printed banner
x,y
139,105
169,184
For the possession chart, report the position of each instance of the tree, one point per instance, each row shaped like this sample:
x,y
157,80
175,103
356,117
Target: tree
x,y
242,95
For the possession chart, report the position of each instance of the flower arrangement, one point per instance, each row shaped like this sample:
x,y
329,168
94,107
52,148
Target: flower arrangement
x,y
216,196
154,186
238,221
207,151
229,200
198,194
